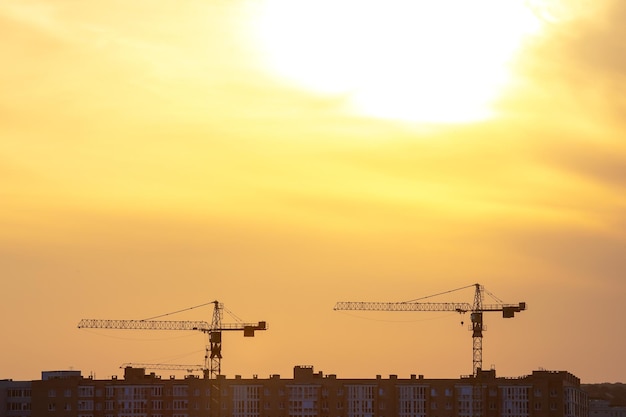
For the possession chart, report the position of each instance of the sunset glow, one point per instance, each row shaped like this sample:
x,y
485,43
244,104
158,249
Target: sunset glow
x,y
282,155
423,61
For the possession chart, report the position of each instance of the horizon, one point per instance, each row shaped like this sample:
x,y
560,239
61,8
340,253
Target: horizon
x,y
178,374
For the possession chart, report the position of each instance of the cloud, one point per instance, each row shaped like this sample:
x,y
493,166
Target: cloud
x,y
569,105
599,45
579,65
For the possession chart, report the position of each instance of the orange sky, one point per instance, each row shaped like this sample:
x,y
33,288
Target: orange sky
x,y
152,160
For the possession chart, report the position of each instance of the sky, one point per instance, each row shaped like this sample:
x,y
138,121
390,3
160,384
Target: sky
x,y
282,156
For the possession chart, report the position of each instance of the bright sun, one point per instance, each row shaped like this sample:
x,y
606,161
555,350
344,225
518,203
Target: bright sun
x,y
433,61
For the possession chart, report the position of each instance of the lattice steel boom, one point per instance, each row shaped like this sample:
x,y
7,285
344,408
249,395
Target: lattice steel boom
x,y
164,366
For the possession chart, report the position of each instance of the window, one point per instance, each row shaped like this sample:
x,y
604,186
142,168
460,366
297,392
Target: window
x,y
515,401
246,400
303,400
18,393
180,404
361,400
86,391
411,400
85,405
180,391
18,406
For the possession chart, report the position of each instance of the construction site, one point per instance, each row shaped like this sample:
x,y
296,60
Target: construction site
x,y
205,391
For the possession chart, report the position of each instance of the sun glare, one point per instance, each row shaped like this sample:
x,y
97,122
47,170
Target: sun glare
x,y
441,61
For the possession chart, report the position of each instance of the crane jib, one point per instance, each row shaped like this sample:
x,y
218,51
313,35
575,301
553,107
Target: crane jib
x,y
395,306
202,326
144,324
507,310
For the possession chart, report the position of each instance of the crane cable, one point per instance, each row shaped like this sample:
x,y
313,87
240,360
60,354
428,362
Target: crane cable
x,y
493,296
179,311
233,315
435,295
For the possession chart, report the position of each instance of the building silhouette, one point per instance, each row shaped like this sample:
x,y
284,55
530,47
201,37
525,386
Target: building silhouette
x,y
307,394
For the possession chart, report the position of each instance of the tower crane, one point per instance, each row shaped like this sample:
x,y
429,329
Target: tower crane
x,y
476,309
213,356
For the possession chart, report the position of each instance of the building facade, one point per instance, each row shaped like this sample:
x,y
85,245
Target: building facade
x,y
307,394
603,408
15,398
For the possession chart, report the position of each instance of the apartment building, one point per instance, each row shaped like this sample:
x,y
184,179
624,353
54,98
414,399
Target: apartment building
x,y
306,394
15,398
603,408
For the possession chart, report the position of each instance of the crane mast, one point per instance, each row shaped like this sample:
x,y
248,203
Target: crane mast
x,y
477,330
